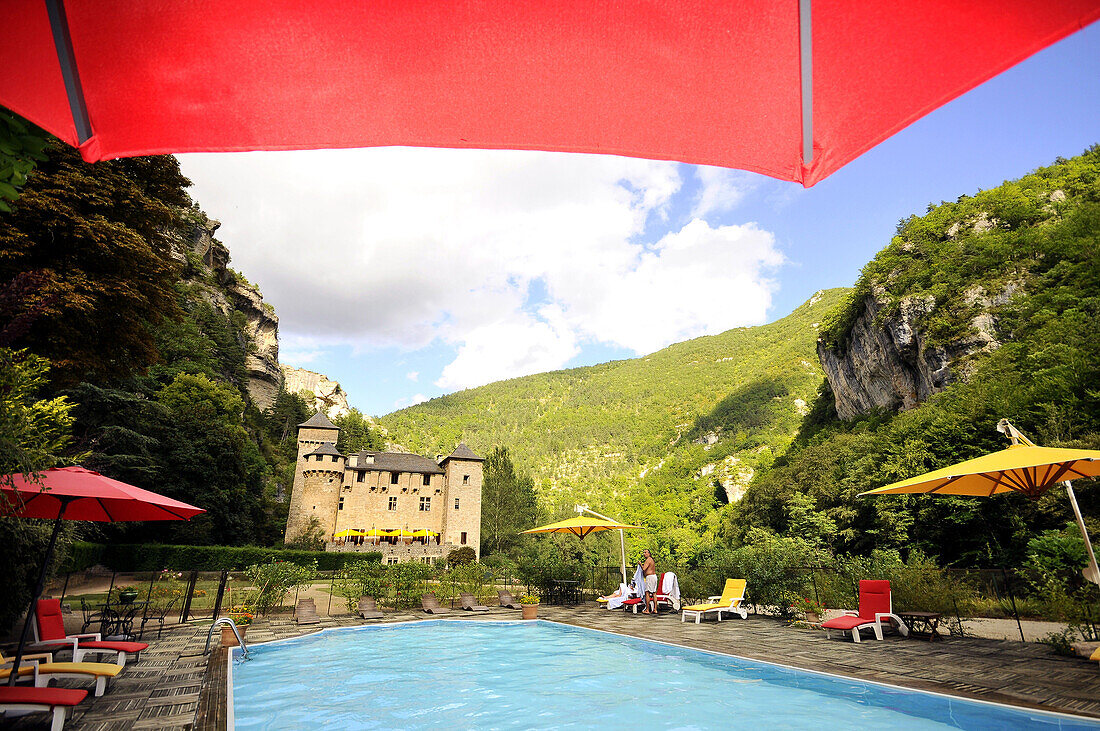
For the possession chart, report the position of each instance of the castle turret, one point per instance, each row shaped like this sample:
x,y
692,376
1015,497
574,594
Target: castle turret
x,y
462,498
322,463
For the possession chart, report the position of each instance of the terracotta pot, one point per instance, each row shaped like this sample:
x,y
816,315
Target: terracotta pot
x,y
228,638
812,617
530,611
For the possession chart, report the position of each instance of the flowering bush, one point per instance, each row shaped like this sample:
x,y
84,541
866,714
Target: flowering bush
x,y
805,605
242,615
528,599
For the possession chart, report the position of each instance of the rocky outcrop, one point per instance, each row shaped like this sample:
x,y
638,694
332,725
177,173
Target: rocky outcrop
x,y
262,330
207,261
886,361
322,394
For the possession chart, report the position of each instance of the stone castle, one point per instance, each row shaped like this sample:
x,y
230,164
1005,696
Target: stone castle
x,y
385,491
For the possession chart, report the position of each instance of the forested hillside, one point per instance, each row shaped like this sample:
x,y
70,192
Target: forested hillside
x,y
685,426
1006,285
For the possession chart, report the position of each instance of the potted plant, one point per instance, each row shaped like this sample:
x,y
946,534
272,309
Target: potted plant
x,y
530,604
811,609
242,616
127,594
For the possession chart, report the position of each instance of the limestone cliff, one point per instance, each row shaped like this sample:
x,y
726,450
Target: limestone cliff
x,y
887,361
207,261
322,394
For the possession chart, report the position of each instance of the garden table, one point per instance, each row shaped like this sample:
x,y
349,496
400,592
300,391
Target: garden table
x,y
923,623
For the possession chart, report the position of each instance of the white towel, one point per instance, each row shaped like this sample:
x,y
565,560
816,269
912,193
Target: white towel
x,y
670,587
617,601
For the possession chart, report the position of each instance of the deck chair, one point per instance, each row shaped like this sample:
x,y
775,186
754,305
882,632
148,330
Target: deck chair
x,y
42,669
49,632
730,601
875,605
469,603
55,701
507,600
306,613
368,608
155,614
431,605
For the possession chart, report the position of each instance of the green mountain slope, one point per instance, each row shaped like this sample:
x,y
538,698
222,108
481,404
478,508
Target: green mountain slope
x,y
589,434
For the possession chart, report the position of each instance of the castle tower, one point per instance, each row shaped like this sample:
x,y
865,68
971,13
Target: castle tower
x,y
314,434
462,498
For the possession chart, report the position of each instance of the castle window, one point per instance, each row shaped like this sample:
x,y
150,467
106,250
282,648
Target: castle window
x,y
465,479
334,458
456,503
320,457
341,506
462,538
393,503
393,477
425,504
427,479
361,476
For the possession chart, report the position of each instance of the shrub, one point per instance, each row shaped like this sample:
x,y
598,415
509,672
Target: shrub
x,y
273,581
155,557
362,578
460,556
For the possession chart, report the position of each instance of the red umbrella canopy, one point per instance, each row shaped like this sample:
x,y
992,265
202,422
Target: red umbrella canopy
x,y
791,89
89,496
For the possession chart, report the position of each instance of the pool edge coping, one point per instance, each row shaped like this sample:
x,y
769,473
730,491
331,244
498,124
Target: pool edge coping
x,y
231,718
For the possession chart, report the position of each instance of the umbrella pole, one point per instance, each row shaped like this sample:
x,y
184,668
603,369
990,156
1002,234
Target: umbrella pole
x,y
1092,569
622,553
37,592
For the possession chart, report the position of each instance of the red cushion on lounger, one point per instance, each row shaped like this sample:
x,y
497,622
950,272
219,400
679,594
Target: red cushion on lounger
x,y
846,622
632,602
131,647
51,625
42,696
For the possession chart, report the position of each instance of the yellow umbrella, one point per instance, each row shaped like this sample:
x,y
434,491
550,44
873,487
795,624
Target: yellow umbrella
x,y
584,525
581,526
374,533
349,532
1023,468
424,533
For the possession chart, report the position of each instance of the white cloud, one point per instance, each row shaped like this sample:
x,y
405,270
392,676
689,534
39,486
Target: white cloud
x,y
519,345
406,247
721,190
402,403
413,375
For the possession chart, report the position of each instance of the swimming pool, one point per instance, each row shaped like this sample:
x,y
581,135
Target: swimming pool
x,y
513,675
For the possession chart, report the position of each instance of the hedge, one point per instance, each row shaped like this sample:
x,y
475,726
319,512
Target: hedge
x,y
155,557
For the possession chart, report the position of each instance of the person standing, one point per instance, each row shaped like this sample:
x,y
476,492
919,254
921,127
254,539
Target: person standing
x,y
649,570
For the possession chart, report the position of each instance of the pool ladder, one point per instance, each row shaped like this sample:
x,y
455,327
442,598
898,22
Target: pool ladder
x,y
231,623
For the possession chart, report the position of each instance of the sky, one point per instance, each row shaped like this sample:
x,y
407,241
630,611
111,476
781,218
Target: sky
x,y
409,273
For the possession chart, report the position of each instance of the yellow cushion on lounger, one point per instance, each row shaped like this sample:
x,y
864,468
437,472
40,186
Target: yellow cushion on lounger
x,y
5,673
704,607
109,669
1095,655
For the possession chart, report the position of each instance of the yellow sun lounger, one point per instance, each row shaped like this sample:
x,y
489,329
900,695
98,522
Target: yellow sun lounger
x,y
730,601
46,671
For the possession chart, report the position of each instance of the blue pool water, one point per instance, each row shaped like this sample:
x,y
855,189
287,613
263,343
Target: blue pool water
x,y
520,675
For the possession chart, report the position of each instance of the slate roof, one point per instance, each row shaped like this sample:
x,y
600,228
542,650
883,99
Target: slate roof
x,y
327,448
318,421
397,462
464,452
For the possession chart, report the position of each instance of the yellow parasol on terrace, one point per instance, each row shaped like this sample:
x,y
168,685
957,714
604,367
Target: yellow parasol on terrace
x,y
1023,468
585,525
348,532
424,533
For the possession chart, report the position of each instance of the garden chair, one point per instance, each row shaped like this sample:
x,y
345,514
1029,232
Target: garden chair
x,y
42,669
507,600
306,613
875,605
731,600
368,608
155,614
431,605
469,603
91,615
49,631
55,701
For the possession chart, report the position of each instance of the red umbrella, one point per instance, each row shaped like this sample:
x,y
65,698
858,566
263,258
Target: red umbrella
x,y
74,493
790,89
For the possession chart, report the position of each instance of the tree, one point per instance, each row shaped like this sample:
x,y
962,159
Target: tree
x,y
21,148
508,503
33,433
358,432
99,238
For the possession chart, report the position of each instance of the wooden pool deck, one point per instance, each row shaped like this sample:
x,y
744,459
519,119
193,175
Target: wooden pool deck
x,y
175,687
